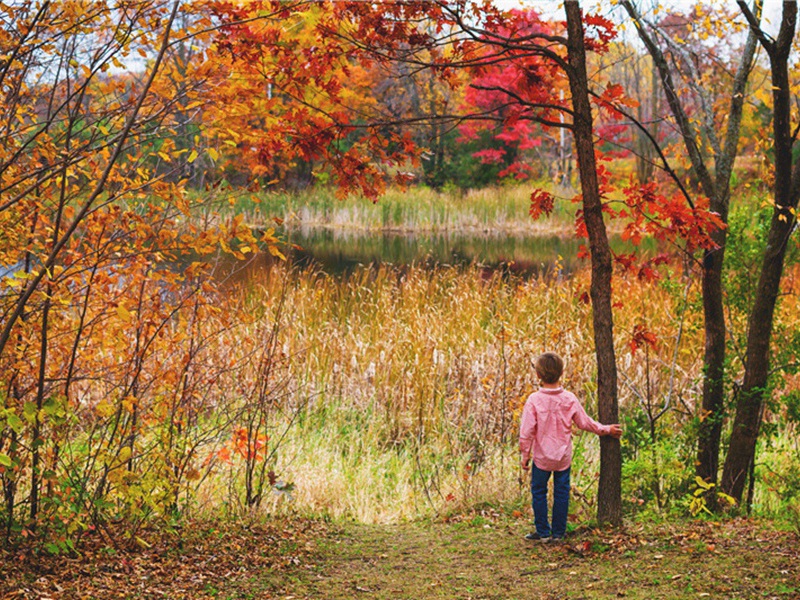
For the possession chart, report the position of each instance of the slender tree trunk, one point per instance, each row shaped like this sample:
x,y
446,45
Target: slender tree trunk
x,y
712,411
717,188
713,407
609,496
746,425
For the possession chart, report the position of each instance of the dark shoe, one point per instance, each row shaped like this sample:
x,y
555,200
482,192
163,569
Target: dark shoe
x,y
536,537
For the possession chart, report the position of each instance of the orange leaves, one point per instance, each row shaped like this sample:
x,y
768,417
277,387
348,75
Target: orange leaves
x,y
542,202
612,96
244,444
668,218
290,93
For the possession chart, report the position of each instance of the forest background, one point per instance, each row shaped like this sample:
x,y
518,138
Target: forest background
x,y
157,367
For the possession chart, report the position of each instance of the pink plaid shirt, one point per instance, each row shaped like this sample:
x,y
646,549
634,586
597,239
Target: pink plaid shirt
x,y
545,432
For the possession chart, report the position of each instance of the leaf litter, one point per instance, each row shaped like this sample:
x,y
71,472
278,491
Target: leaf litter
x,y
480,556
198,560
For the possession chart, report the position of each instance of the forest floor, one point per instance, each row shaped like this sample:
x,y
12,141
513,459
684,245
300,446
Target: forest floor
x,y
479,557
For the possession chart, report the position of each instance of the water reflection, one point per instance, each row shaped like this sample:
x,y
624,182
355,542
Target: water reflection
x,y
340,251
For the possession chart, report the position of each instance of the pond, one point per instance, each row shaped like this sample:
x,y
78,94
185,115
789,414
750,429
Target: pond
x,y
340,251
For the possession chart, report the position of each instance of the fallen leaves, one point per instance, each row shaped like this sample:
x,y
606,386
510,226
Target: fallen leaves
x,y
193,561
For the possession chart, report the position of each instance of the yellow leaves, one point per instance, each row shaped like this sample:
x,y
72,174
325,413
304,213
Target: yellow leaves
x,y
192,156
213,154
105,408
275,251
697,502
129,403
123,313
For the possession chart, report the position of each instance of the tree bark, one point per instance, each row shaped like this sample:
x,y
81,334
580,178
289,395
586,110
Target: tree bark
x,y
609,495
747,422
717,189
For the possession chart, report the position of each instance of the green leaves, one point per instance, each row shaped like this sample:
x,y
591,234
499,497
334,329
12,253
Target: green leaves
x,y
14,422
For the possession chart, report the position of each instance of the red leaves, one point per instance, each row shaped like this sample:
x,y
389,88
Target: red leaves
x,y
599,32
644,271
517,170
490,156
642,337
510,85
668,218
542,202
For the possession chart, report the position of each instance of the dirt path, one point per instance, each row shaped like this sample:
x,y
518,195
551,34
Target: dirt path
x,y
481,560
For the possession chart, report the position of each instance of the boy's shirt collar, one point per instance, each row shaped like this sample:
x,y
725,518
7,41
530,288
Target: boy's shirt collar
x,y
555,390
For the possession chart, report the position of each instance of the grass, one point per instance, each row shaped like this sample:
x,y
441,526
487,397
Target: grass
x,y
487,558
497,209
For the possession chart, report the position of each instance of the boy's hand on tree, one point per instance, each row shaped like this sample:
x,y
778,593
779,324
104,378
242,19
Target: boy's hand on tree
x,y
616,431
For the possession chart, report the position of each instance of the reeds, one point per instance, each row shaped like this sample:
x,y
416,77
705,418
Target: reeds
x,y
493,209
411,381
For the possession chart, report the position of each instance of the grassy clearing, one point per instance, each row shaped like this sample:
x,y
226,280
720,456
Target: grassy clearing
x,y
412,383
409,385
481,556
486,558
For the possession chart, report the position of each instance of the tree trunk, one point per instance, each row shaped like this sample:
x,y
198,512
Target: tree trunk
x,y
717,189
713,403
746,425
609,495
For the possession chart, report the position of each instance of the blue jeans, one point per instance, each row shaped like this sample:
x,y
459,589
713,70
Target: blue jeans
x,y
539,481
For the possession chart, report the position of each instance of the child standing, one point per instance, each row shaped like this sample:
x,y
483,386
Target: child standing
x,y
545,435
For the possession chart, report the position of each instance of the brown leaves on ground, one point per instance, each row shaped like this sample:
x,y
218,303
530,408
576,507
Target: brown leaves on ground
x,y
198,560
481,556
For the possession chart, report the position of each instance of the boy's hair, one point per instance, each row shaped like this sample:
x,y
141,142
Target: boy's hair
x,y
549,367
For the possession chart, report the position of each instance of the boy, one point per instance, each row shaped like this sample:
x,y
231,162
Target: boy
x,y
545,435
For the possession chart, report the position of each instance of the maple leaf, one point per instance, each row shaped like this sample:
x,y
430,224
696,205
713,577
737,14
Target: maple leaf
x,y
542,202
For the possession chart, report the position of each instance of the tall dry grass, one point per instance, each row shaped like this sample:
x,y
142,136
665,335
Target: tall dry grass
x,y
498,208
410,381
